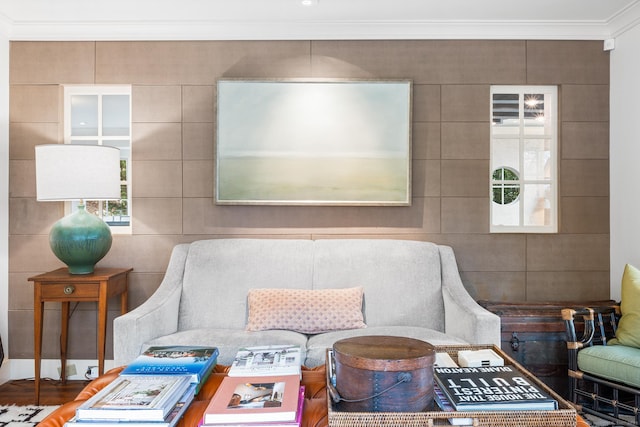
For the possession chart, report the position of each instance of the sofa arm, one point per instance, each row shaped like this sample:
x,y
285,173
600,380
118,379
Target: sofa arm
x,y
155,317
464,318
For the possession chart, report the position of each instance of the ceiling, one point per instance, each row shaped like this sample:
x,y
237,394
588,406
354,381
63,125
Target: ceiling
x,y
327,19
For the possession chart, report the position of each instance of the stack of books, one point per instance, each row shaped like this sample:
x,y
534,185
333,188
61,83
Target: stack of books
x,y
262,389
154,390
486,384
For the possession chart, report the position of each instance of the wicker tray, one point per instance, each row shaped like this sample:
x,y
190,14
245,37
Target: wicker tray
x,y
564,416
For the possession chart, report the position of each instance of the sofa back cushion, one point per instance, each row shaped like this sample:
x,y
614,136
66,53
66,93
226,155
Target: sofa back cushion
x,y
402,280
219,273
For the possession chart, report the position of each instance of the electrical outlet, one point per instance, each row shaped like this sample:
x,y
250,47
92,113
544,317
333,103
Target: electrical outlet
x,y
70,371
91,372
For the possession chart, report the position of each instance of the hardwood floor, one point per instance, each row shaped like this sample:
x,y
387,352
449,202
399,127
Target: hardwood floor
x,y
52,392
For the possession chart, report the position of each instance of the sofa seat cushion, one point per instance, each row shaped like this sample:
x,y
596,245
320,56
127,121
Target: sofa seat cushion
x,y
318,344
229,341
616,362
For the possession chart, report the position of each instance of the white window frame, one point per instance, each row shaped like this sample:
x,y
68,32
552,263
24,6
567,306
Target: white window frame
x,y
100,90
552,91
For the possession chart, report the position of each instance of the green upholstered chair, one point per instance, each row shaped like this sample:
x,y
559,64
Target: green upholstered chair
x,y
603,346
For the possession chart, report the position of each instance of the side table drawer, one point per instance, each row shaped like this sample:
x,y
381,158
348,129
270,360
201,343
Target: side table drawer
x,y
52,291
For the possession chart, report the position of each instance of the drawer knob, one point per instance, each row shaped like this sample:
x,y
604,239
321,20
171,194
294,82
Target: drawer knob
x,y
68,290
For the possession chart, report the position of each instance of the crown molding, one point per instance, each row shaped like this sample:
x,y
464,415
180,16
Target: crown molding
x,y
311,30
5,26
624,20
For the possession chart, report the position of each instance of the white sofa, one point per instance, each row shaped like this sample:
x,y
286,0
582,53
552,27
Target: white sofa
x,y
411,289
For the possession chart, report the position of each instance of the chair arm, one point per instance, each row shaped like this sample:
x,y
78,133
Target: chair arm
x,y
598,324
464,317
156,317
588,326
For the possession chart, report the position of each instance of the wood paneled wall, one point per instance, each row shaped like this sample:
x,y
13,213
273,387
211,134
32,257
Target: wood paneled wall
x,y
173,159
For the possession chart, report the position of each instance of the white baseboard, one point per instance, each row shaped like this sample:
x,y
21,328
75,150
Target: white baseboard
x,y
4,372
24,368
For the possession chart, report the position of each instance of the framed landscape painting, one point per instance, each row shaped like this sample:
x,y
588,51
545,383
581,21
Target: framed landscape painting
x,y
313,142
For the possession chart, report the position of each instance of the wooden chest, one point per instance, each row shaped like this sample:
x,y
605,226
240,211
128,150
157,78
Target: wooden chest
x,y
534,335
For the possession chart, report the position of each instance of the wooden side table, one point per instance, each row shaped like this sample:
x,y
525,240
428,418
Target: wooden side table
x,y
60,286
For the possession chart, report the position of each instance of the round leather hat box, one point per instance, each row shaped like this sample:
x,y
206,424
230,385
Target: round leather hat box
x,y
382,374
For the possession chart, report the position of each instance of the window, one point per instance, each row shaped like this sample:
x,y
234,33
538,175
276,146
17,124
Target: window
x,y
504,191
101,115
524,159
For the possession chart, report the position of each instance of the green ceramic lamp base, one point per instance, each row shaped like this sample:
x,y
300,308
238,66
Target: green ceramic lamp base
x,y
80,240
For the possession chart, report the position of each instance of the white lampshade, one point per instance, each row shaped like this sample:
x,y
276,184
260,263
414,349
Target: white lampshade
x,y
77,172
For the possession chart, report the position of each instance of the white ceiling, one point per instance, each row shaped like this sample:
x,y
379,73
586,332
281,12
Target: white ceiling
x,y
328,19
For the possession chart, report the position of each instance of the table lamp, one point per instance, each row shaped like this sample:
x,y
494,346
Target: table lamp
x,y
66,172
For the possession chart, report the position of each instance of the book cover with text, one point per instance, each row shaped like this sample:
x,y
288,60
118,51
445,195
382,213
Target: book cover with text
x,y
197,361
491,388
